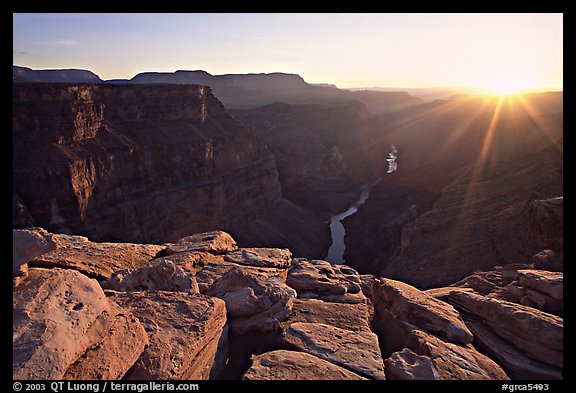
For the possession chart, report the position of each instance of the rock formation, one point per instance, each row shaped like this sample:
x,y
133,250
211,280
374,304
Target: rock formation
x,y
207,310
323,152
65,327
290,365
184,332
519,326
148,163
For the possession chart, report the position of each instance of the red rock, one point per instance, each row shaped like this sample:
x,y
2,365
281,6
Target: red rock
x,y
96,260
549,283
216,269
512,359
118,351
407,365
184,332
355,317
158,275
538,334
548,260
216,242
316,279
357,351
28,244
419,309
59,316
263,257
288,365
253,302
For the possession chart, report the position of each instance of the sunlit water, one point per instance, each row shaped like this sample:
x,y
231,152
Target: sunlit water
x,y
392,156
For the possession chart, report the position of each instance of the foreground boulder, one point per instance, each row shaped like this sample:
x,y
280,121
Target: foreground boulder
x,y
96,260
538,334
160,274
421,310
289,365
405,317
215,242
407,365
317,279
355,317
28,244
357,351
264,257
60,316
184,331
216,269
118,351
548,283
512,359
253,302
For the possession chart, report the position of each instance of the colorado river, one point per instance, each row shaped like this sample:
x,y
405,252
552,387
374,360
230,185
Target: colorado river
x,y
336,251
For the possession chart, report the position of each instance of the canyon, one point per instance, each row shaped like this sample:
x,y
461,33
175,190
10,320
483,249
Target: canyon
x,y
206,204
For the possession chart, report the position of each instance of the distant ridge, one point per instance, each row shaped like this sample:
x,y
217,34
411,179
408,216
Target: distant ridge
x,y
24,74
240,91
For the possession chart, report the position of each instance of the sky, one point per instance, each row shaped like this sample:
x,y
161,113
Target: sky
x,y
510,51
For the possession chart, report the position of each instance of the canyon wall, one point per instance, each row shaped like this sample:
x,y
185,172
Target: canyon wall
x,y
468,170
323,152
143,163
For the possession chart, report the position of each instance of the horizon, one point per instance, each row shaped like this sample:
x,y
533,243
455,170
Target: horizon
x,y
493,53
464,90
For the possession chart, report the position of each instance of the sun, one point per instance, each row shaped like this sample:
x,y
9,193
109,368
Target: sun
x,y
503,85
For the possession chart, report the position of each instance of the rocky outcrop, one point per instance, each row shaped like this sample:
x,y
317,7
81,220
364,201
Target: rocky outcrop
x,y
405,317
26,245
215,242
355,317
317,279
96,260
184,331
538,334
158,275
407,365
416,308
356,351
62,319
257,318
118,351
289,365
253,302
265,257
549,283
548,260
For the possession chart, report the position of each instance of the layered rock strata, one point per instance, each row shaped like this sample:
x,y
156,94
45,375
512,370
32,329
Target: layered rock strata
x,y
148,164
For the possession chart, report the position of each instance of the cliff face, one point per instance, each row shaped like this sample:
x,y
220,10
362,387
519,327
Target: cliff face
x,y
323,152
136,162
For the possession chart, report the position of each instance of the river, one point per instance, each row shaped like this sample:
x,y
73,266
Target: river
x,y
336,251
